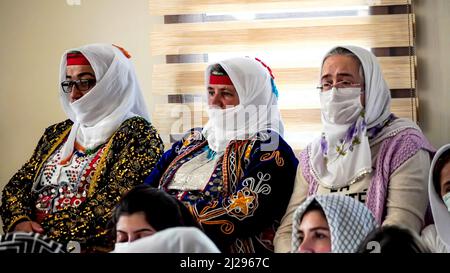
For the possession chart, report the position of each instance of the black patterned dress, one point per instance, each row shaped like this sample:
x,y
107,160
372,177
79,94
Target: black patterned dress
x,y
78,208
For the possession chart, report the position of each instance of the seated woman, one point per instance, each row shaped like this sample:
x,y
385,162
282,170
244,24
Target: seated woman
x,y
437,236
146,212
365,151
237,174
393,240
82,166
330,223
179,239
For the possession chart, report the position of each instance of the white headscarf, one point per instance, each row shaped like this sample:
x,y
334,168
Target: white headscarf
x,y
349,221
441,215
170,240
344,170
257,98
115,98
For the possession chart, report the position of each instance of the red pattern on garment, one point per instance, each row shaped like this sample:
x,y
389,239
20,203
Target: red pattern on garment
x,y
61,197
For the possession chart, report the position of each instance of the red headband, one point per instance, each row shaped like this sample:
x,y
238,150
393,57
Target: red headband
x,y
214,79
76,59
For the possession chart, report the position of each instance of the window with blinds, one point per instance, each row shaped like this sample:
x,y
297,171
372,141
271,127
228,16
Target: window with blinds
x,y
291,36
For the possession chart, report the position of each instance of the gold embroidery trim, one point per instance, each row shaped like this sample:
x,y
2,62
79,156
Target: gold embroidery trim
x,y
100,166
57,143
275,154
18,218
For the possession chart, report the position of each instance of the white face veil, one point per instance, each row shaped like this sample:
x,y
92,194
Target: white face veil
x,y
342,155
440,212
115,98
258,104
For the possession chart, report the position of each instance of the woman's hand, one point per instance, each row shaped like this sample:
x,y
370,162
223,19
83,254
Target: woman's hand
x,y
29,226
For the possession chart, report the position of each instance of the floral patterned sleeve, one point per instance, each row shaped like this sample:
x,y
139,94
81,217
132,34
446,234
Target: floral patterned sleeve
x,y
134,150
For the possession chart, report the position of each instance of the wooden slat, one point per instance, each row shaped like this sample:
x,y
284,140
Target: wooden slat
x,y
189,78
178,118
173,7
289,34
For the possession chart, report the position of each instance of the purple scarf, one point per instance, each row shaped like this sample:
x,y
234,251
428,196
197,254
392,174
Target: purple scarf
x,y
394,151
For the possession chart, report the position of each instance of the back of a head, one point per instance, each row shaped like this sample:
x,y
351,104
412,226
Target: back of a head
x,y
392,239
160,208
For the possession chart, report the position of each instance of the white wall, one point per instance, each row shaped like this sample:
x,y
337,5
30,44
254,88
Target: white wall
x,y
34,34
433,68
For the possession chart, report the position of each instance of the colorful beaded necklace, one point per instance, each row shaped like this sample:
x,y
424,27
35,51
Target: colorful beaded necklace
x,y
81,151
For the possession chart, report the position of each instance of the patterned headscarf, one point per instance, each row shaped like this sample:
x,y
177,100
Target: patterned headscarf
x,y
349,220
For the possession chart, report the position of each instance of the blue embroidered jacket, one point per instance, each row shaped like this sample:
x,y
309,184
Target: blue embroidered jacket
x,y
247,194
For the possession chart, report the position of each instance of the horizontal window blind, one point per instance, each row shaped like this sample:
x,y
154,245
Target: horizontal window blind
x,y
189,78
291,37
174,7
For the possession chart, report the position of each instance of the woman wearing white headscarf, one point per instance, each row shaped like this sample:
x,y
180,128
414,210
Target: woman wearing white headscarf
x,y
82,166
346,223
365,151
235,175
437,236
170,240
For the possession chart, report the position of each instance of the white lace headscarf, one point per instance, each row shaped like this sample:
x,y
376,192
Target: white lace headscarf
x,y
258,104
441,215
115,98
349,221
342,170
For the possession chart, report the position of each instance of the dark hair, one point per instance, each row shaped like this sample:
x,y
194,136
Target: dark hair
x,y
443,159
392,239
218,70
160,208
314,205
345,52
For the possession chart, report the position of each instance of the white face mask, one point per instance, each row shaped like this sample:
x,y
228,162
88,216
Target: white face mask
x,y
341,106
446,199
